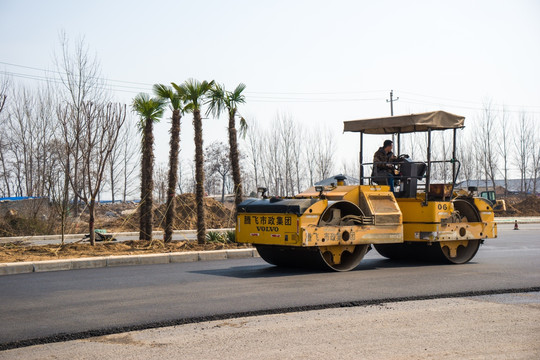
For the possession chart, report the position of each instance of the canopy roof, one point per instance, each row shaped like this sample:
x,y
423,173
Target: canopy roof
x,y
436,120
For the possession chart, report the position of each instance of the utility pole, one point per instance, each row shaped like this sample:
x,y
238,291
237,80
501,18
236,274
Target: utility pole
x,y
391,101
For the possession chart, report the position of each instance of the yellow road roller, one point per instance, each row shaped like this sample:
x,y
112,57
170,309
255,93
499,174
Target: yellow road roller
x,y
333,227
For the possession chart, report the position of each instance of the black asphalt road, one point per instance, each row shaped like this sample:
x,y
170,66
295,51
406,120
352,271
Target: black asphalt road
x,y
40,305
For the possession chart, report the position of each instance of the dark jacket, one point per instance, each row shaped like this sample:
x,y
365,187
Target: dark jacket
x,y
382,157
382,166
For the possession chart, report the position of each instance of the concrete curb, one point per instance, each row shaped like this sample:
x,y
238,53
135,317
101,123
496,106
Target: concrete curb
x,y
521,220
124,260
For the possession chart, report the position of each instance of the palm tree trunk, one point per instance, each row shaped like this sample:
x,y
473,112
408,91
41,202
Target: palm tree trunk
x,y
147,182
199,176
235,163
173,175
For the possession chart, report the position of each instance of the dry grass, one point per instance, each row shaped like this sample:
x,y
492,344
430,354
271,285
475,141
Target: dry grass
x,y
15,252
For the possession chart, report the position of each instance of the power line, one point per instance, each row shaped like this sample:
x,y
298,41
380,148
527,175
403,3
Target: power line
x,y
59,72
260,96
420,102
315,93
465,101
309,100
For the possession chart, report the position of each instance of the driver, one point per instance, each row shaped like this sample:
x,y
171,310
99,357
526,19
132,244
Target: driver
x,y
383,170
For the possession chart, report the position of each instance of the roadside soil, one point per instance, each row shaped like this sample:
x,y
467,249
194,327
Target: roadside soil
x,y
16,252
520,206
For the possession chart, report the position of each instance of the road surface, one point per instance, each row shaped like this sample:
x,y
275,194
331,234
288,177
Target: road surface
x,y
87,302
502,326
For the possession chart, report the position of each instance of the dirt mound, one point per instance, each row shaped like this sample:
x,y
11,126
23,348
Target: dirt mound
x,y
529,207
14,225
216,214
510,211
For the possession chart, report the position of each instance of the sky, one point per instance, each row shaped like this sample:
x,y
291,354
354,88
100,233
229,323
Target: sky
x,y
321,62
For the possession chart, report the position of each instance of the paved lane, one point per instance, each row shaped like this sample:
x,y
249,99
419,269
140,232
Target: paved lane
x,y
44,304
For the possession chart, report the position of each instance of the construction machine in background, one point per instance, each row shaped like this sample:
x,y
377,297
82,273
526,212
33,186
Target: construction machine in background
x,y
333,227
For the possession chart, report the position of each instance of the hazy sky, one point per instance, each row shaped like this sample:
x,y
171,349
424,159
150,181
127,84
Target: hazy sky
x,y
320,62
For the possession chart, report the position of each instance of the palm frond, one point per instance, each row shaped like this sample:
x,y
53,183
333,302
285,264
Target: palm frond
x,y
216,100
235,98
236,95
243,127
163,91
149,109
167,93
195,92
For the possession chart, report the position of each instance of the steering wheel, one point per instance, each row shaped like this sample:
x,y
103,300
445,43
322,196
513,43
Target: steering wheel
x,y
402,157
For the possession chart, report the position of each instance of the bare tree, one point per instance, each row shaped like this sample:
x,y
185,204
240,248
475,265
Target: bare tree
x,y
80,75
487,134
123,161
535,156
325,156
310,154
286,138
98,127
503,145
59,185
4,88
297,155
160,183
218,163
522,143
129,158
466,156
253,150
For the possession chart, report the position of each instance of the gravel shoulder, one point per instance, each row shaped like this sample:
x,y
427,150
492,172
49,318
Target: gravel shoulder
x,y
483,327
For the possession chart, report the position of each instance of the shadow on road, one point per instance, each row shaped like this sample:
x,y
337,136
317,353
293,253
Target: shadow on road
x,y
270,271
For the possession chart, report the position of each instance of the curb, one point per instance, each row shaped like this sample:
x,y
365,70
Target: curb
x,y
124,260
524,220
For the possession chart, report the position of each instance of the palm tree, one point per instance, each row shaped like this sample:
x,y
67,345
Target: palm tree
x,y
176,100
219,100
195,95
150,111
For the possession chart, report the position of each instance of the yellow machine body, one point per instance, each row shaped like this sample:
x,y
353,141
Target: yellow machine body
x,y
384,220
334,226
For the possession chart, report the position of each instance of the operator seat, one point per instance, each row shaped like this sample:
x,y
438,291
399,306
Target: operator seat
x,y
410,173
377,178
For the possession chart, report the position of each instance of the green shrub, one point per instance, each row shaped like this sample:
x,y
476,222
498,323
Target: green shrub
x,y
230,235
215,237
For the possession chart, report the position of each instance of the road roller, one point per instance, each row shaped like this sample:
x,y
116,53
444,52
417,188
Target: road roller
x,y
332,227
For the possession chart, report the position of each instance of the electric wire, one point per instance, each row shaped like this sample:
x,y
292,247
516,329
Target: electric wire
x,y
134,87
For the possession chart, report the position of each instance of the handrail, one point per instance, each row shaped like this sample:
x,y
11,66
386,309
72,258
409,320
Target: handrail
x,y
451,161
